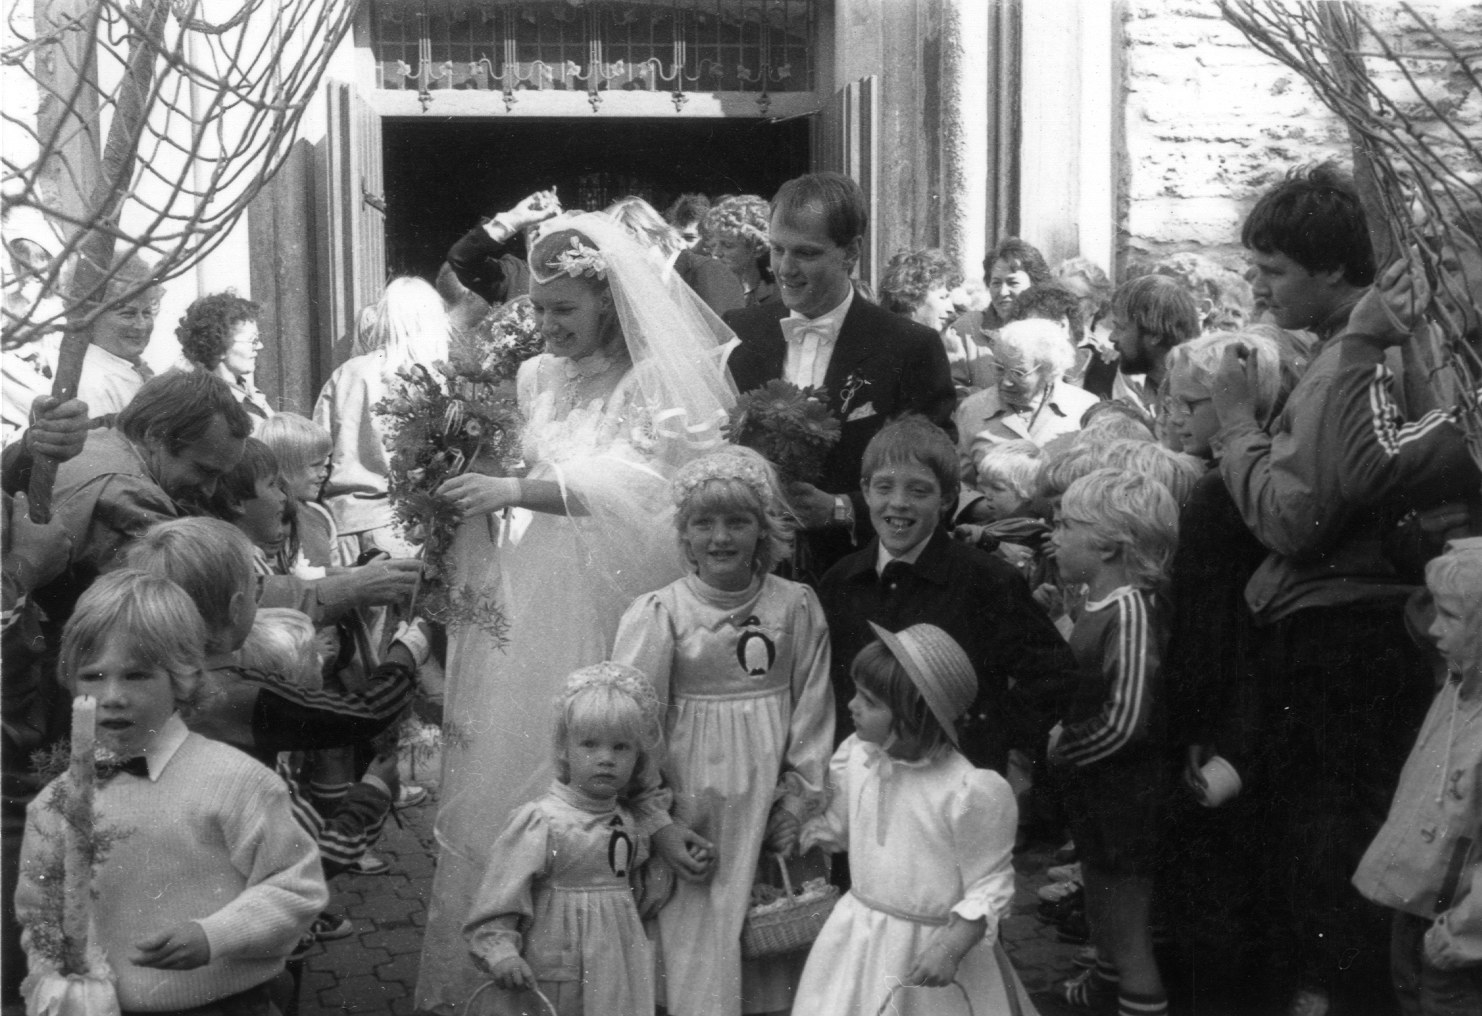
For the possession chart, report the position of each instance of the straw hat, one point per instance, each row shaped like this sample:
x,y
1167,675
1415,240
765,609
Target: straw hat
x,y
938,667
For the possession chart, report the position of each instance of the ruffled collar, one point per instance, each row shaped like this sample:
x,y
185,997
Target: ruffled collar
x,y
579,799
590,366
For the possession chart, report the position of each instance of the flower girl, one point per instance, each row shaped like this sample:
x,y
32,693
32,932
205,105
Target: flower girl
x,y
930,842
740,658
554,922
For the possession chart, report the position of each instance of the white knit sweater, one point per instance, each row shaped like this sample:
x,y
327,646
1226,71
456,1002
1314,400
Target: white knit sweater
x,y
208,838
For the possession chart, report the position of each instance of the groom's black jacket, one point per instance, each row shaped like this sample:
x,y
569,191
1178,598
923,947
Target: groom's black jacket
x,y
883,366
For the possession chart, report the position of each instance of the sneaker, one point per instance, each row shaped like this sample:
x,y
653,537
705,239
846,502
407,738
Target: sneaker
x,y
1057,891
328,927
306,944
1088,992
370,864
1064,872
410,795
1086,957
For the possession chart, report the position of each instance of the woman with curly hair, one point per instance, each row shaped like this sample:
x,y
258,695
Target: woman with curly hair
x,y
218,334
918,285
736,230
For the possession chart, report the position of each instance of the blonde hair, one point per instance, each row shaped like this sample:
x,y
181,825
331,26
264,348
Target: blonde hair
x,y
1063,464
1129,511
612,698
718,483
1013,462
1198,360
153,615
208,558
645,224
297,442
282,642
409,325
1174,470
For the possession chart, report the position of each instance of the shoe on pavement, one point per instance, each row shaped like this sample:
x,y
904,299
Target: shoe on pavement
x,y
1057,891
370,864
1064,872
410,795
1088,992
328,927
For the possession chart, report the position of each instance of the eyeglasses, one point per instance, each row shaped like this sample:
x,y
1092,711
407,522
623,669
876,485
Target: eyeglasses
x,y
1186,407
1016,373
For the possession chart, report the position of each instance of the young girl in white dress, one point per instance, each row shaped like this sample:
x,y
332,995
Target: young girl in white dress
x,y
740,658
930,842
555,917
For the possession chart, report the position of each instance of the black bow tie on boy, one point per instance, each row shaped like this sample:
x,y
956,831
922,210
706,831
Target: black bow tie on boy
x,y
894,573
136,766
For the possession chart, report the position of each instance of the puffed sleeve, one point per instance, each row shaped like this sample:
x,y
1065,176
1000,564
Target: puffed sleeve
x,y
645,641
801,788
505,904
830,828
983,818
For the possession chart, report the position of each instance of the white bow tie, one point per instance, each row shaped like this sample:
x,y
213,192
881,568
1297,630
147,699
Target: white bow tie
x,y
798,329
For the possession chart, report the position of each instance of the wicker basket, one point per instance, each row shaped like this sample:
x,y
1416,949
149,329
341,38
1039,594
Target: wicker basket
x,y
789,928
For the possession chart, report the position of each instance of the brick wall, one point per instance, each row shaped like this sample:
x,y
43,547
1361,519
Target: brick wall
x,y
1210,122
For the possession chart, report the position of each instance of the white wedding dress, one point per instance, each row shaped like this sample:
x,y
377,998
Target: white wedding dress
x,y
562,581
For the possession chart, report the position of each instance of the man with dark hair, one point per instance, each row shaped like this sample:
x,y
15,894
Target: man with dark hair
x,y
873,365
1309,243
685,215
1322,488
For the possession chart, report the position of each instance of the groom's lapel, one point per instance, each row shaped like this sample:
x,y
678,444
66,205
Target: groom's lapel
x,y
857,343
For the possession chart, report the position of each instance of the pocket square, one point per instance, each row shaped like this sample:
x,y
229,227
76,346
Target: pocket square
x,y
863,412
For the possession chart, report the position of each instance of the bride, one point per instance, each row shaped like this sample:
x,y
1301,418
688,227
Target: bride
x,y
632,385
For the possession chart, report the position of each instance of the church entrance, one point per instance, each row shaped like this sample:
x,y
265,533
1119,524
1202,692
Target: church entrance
x,y
443,176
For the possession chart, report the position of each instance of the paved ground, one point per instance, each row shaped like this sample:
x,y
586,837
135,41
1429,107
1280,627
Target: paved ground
x,y
375,970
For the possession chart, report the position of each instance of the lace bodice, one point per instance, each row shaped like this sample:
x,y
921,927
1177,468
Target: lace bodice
x,y
571,413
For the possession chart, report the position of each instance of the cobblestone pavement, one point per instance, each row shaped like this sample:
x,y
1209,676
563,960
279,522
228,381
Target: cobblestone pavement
x,y
374,971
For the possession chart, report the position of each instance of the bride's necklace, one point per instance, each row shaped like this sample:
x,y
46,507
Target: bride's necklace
x,y
583,375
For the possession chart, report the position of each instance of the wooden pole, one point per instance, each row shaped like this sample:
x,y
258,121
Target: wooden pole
x,y
95,252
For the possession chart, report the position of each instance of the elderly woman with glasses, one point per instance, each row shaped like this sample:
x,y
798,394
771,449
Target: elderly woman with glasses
x,y
1031,400
219,335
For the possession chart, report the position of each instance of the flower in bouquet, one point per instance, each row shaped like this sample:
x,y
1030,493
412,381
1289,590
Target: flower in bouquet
x,y
790,426
441,422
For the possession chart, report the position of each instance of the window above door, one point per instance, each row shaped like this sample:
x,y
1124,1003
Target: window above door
x,y
692,57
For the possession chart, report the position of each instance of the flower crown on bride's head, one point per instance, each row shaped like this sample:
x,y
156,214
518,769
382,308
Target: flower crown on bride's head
x,y
577,260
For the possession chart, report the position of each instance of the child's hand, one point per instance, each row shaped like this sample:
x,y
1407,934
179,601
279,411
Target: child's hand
x,y
934,968
691,855
513,974
937,964
183,947
783,829
968,534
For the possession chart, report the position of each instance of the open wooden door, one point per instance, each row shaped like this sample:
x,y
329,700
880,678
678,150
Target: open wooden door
x,y
846,140
352,218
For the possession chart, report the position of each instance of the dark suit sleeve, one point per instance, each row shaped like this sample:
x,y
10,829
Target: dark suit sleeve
x,y
1032,652
927,386
716,284
479,262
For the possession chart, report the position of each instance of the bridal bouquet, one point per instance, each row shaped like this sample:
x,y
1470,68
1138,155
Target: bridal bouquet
x,y
440,421
788,425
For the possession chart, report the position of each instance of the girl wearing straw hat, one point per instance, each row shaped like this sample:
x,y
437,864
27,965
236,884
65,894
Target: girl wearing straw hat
x,y
930,841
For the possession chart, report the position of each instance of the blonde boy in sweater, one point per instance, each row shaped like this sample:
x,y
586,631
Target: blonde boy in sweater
x,y
206,881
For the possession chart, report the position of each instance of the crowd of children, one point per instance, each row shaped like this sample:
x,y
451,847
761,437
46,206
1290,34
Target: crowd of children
x,y
1175,611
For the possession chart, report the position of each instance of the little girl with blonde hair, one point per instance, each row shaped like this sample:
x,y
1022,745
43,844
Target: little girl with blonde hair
x,y
554,922
740,659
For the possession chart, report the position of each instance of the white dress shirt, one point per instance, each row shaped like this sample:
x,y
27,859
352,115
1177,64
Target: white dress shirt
x,y
810,343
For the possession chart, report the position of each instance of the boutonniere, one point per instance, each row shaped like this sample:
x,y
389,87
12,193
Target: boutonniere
x,y
848,390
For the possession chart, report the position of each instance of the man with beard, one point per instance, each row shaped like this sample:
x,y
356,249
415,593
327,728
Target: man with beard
x,y
1149,316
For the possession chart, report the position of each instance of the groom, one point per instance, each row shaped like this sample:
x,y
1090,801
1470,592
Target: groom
x,y
873,364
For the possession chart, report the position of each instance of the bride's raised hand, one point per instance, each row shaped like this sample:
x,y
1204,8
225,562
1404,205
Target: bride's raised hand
x,y
475,494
